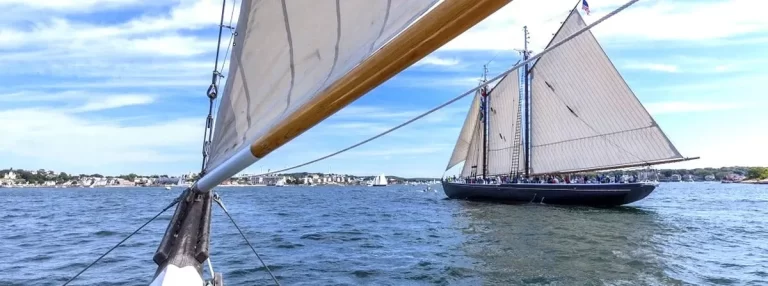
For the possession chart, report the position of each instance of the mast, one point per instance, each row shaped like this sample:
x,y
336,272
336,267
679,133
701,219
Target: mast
x,y
486,120
527,136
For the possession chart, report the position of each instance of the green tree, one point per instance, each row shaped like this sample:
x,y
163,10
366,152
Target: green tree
x,y
63,177
759,173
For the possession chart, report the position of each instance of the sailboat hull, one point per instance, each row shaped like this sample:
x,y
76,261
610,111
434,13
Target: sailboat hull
x,y
598,195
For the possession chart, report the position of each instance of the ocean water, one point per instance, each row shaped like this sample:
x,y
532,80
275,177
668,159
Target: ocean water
x,y
683,234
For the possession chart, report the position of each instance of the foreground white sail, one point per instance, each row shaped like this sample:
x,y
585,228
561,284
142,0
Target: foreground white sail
x,y
287,52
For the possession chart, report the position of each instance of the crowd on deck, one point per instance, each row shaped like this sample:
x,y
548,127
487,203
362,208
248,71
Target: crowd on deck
x,y
556,179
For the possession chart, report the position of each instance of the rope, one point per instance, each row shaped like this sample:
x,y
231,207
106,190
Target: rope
x,y
213,89
175,201
218,201
471,91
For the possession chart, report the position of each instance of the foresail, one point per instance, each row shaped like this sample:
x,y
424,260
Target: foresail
x,y
461,149
287,52
584,116
473,165
505,154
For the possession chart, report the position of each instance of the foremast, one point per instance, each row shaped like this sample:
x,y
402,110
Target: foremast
x,y
485,100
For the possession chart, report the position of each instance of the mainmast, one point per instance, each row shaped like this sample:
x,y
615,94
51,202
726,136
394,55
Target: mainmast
x,y
527,107
486,119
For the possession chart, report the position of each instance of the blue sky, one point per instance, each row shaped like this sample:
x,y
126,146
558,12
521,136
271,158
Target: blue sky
x,y
117,86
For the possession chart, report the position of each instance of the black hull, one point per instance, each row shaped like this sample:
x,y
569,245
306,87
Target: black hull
x,y
598,195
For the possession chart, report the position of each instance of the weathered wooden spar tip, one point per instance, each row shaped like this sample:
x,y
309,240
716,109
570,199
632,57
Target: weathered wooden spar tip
x,y
186,241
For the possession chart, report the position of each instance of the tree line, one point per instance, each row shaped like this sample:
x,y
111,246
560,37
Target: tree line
x,y
42,175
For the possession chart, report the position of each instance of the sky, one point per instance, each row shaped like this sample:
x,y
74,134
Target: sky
x,y
118,86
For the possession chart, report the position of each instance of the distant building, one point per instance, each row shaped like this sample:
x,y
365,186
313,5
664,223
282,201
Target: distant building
x,y
709,177
10,175
675,178
166,181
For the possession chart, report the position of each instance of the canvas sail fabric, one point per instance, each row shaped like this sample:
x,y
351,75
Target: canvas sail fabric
x,y
584,116
473,165
461,149
287,52
505,154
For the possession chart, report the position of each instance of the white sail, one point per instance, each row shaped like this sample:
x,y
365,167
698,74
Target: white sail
x,y
583,114
286,52
473,165
381,180
505,152
461,149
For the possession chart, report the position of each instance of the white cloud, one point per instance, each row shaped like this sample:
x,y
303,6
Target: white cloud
x,y
68,142
437,61
653,67
682,107
154,49
68,5
649,20
114,102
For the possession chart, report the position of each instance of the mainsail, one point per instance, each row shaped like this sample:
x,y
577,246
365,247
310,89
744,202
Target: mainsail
x,y
584,115
467,131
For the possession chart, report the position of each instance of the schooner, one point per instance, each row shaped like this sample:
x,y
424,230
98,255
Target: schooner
x,y
578,115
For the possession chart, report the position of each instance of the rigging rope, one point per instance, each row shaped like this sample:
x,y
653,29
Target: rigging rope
x,y
213,89
175,201
230,44
515,67
218,201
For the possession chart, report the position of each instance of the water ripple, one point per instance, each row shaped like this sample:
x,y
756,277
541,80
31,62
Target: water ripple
x,y
683,234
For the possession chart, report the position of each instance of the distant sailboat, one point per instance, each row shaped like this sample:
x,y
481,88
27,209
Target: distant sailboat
x,y
579,116
380,181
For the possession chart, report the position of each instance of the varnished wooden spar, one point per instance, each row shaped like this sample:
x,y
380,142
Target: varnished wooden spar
x,y
448,20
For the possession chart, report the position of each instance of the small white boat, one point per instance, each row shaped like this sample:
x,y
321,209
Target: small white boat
x,y
380,181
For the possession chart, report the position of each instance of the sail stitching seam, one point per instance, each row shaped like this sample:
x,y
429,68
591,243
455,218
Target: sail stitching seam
x,y
290,53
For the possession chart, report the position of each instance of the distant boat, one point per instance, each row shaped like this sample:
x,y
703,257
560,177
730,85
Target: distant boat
x,y
167,187
579,116
380,181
